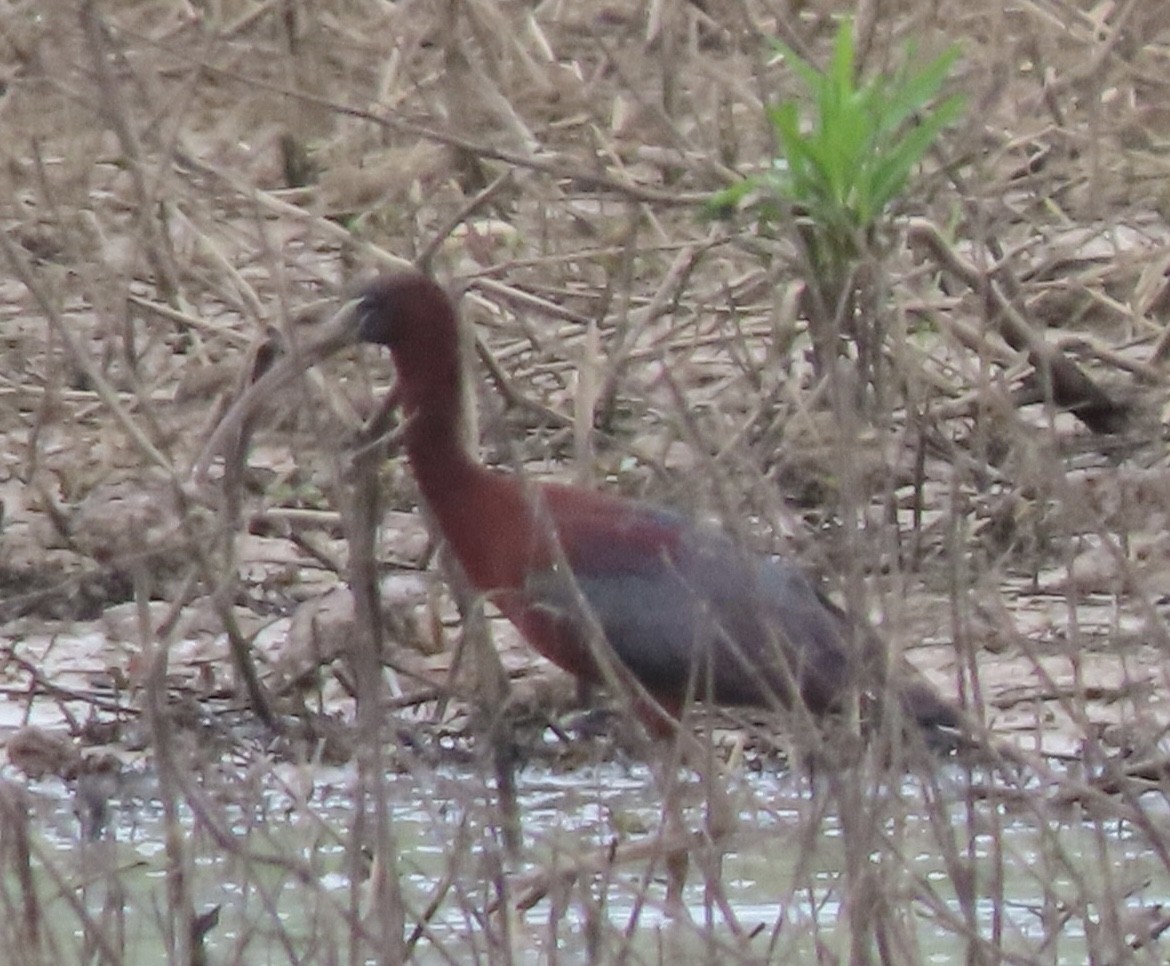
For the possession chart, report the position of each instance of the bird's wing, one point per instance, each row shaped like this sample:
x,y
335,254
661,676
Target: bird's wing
x,y
689,612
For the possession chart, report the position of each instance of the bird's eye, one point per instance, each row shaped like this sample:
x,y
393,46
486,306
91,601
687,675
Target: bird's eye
x,y
373,320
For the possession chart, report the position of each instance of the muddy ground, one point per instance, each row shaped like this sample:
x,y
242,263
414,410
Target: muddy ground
x,y
183,181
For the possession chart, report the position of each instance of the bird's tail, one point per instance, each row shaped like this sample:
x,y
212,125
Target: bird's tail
x,y
947,727
943,724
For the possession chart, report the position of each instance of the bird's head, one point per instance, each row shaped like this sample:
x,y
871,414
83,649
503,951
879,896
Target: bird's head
x,y
412,316
404,310
407,312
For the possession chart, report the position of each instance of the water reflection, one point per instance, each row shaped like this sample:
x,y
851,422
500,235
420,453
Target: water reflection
x,y
785,878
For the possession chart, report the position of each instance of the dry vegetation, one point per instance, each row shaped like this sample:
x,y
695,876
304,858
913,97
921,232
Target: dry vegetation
x,y
186,180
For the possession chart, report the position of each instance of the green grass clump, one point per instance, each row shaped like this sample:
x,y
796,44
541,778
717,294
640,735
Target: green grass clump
x,y
839,170
866,136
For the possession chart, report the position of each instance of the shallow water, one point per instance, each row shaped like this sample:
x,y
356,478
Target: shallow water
x,y
1039,881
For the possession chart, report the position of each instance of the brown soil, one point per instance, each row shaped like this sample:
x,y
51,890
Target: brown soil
x,y
180,181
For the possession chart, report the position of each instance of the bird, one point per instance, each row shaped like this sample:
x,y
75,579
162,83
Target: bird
x,y
612,589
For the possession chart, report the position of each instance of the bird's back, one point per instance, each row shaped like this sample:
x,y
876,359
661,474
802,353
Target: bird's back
x,y
688,611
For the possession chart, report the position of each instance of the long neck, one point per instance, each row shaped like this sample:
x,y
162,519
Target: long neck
x,y
433,407
478,511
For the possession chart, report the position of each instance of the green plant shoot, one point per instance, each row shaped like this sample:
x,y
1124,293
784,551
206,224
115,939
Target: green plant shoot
x,y
843,168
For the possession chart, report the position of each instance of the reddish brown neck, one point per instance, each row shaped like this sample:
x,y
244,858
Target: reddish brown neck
x,y
478,511
434,435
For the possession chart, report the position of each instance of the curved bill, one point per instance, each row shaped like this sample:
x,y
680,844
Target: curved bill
x,y
340,332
